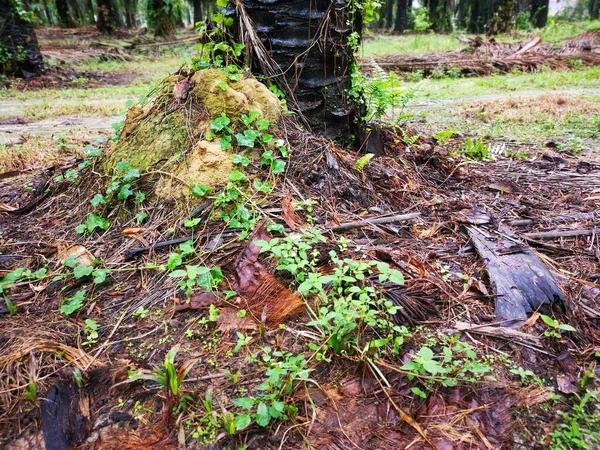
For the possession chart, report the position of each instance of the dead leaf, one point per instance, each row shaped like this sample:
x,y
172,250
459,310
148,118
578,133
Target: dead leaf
x,y
7,208
566,384
288,214
198,301
230,321
133,230
181,90
79,252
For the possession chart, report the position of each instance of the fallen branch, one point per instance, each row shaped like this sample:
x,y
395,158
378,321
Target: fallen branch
x,y
505,333
558,234
563,218
375,221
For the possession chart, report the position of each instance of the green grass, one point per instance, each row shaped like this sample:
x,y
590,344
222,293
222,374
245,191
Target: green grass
x,y
410,44
571,121
149,68
517,82
101,93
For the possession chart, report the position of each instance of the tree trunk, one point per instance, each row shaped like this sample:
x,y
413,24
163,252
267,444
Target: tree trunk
x,y
594,9
480,17
401,24
107,20
539,12
505,12
17,37
88,11
64,15
462,14
307,42
198,17
160,22
131,7
440,15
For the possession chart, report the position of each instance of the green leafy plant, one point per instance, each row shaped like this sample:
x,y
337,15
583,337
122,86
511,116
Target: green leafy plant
x,y
93,222
453,362
361,162
475,149
198,276
14,277
580,427
168,375
90,331
555,327
30,392
73,303
283,371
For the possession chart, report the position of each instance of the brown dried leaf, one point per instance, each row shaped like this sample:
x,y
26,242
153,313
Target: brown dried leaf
x,y
127,231
79,251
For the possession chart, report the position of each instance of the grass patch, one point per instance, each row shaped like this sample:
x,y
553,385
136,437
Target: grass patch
x,y
572,122
78,108
102,93
152,69
516,82
42,150
413,44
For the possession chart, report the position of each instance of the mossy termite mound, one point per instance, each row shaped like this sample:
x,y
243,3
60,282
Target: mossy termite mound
x,y
168,132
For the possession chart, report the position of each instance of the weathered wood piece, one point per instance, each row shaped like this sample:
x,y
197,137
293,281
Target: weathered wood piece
x,y
520,281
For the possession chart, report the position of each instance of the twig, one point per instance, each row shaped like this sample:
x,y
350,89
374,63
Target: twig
x,y
555,219
374,221
499,332
558,234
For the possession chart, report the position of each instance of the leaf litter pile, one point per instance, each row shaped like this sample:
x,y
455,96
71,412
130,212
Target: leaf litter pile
x,y
433,295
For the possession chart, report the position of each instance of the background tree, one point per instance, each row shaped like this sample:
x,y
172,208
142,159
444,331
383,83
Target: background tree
x,y
163,16
402,14
594,9
504,16
539,12
107,16
65,17
440,15
131,9
19,51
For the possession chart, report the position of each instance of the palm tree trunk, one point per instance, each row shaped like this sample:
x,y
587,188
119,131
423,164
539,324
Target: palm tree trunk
x,y
17,37
539,12
107,16
401,24
505,13
64,15
306,42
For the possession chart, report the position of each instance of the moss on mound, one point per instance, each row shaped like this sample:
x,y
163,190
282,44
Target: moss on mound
x,y
168,132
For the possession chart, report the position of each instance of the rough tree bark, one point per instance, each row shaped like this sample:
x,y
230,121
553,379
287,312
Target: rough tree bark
x,y
308,42
403,7
107,19
64,15
17,36
539,12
